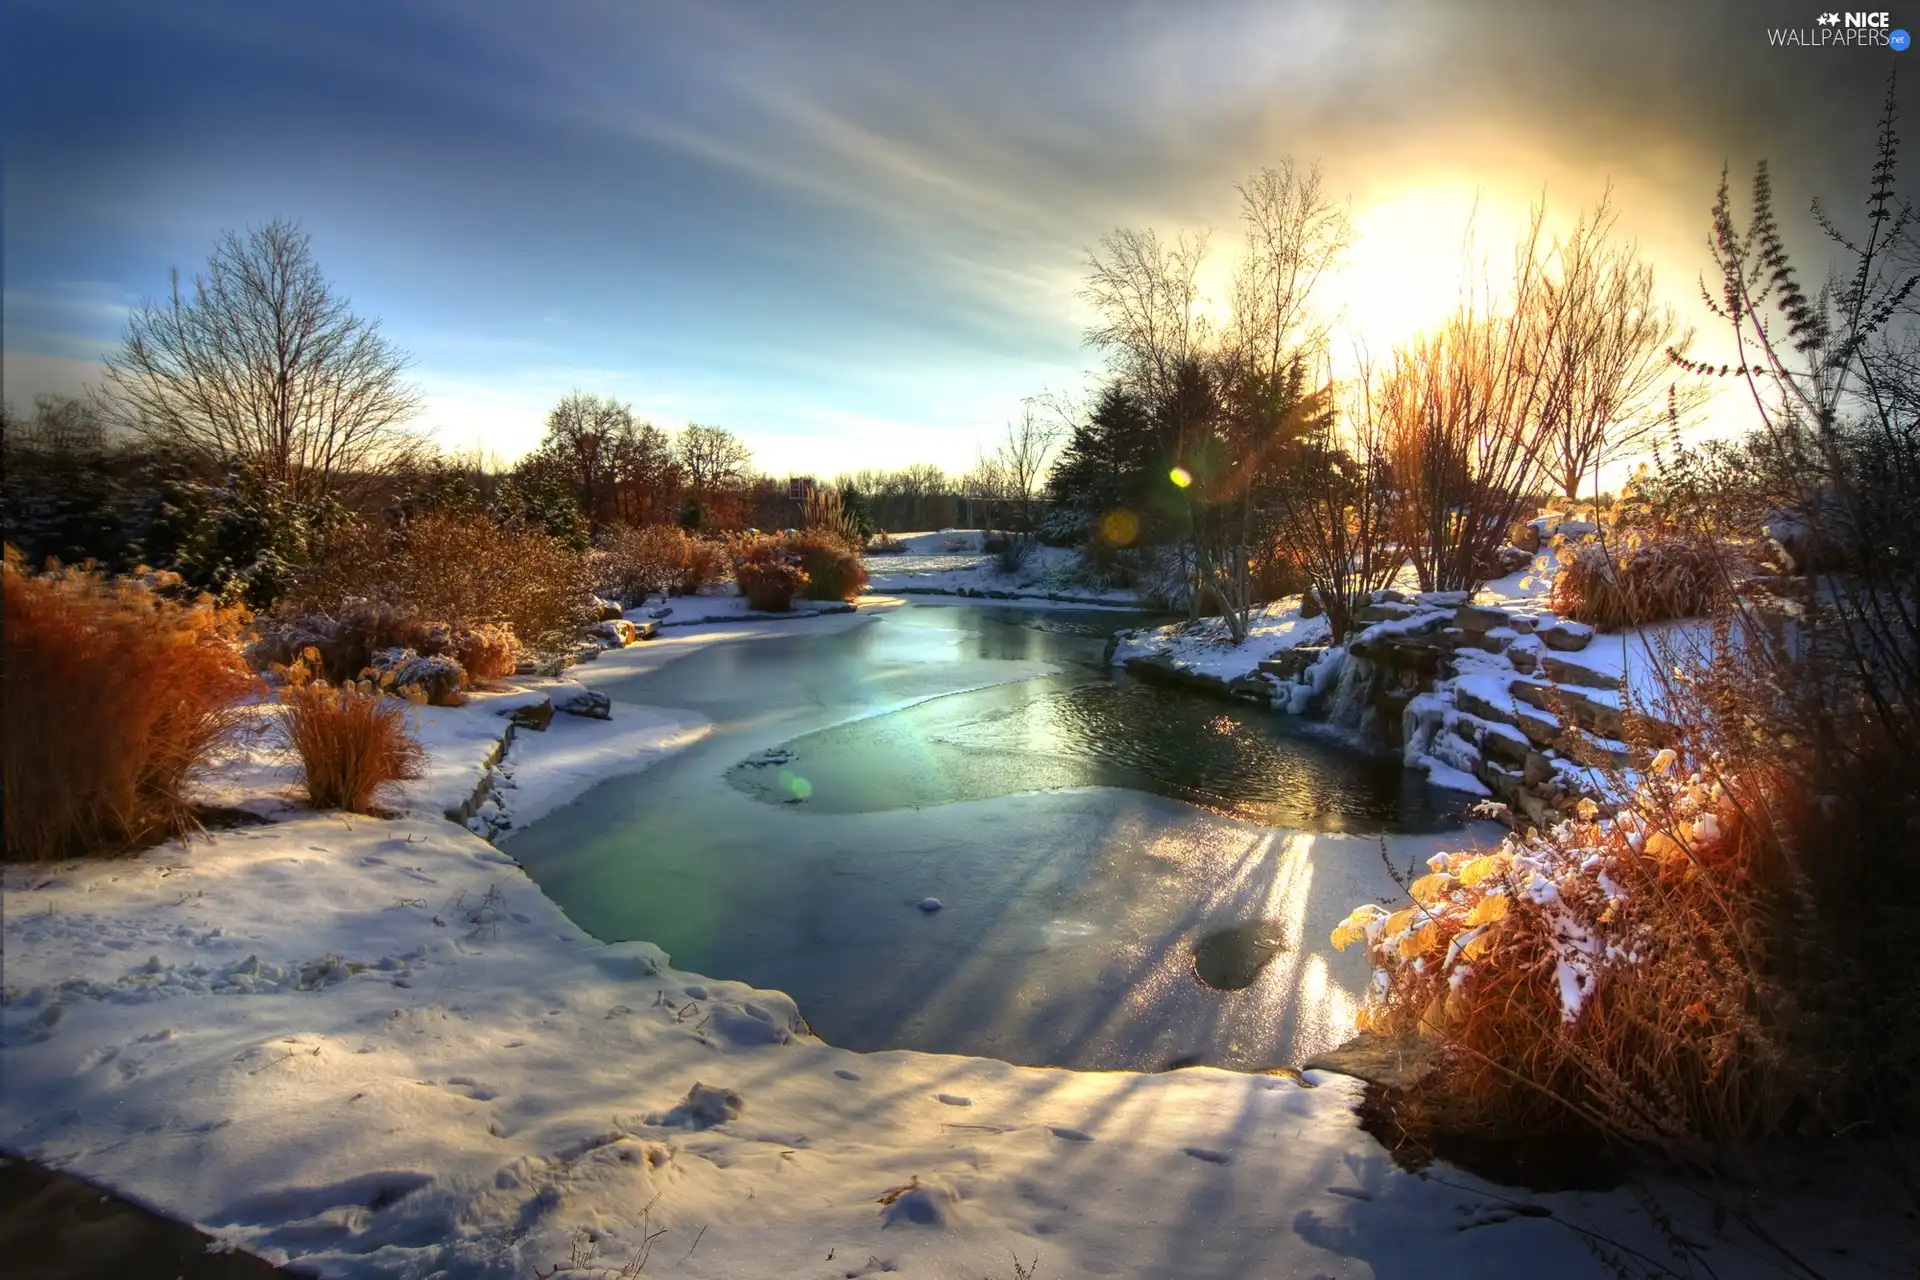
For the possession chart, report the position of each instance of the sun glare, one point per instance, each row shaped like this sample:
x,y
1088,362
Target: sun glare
x,y
1412,255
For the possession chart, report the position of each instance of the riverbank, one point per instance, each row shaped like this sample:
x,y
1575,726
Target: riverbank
x,y
373,1047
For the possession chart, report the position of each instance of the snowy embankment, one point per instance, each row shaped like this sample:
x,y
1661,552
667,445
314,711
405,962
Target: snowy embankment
x,y
1479,694
952,562
372,1047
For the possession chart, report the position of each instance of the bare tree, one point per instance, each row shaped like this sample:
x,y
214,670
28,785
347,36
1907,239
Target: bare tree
x,y
1334,506
266,368
1463,410
1147,299
1019,463
1608,369
584,433
714,458
1295,235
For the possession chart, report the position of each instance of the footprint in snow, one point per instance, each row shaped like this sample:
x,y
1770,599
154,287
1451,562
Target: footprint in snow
x,y
1208,1154
1070,1135
953,1099
845,1074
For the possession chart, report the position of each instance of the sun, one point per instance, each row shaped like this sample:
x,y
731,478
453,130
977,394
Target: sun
x,y
1414,254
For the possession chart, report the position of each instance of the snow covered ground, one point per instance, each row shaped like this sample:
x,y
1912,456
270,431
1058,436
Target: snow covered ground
x,y
374,1048
952,563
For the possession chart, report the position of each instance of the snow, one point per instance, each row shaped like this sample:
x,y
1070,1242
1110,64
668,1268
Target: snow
x,y
1205,646
951,562
372,1047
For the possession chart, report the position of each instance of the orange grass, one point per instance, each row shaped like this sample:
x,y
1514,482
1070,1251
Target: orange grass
x,y
1639,579
833,567
110,699
352,739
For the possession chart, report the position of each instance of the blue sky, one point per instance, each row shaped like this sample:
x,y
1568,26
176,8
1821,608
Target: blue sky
x,y
851,232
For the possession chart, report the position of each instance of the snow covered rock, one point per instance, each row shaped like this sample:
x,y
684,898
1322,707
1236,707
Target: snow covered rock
x,y
705,1105
439,676
929,905
929,1202
590,703
615,633
1566,636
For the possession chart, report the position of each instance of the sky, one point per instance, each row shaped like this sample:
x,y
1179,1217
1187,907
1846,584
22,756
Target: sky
x,y
854,233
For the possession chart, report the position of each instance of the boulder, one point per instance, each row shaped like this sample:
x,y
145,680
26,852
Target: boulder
x,y
1568,637
1440,599
615,633
1290,663
590,703
1560,671
1537,769
1480,618
536,717
606,610
1383,611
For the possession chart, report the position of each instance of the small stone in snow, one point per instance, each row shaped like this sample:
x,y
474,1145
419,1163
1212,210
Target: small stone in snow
x,y
929,905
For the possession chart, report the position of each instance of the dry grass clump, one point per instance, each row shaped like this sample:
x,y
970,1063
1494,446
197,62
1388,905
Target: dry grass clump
x,y
647,560
709,561
111,698
1641,578
826,515
352,739
883,543
832,565
769,573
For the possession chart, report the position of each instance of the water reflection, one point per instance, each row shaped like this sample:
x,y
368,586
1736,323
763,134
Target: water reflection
x,y
1095,727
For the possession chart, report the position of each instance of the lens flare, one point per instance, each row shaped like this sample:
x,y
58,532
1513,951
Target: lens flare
x,y
1181,477
1119,527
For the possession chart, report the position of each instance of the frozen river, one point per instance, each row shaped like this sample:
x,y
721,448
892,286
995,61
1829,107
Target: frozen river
x,y
1131,876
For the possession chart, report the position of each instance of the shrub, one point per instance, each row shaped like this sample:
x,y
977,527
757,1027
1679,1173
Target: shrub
x,y
1013,551
1639,579
463,570
351,739
833,568
708,563
884,544
769,573
1722,952
345,646
111,698
486,652
639,562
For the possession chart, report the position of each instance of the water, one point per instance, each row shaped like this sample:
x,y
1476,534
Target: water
x,y
1133,876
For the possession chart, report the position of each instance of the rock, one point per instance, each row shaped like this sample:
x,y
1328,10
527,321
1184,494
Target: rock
x,y
606,610
1537,770
1502,781
1568,637
1396,1062
929,905
1290,663
1560,671
705,1106
1391,595
1480,618
1508,560
1440,599
1384,611
1574,530
536,717
1590,714
1526,536
1310,606
1536,810
615,633
590,703
1524,660
1522,623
